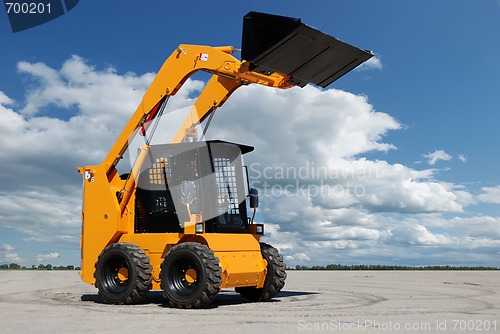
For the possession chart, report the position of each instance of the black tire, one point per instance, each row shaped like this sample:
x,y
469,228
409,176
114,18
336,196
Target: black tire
x,y
190,275
123,274
275,278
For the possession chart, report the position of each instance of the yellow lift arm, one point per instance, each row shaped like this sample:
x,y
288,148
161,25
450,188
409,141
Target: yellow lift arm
x,y
228,72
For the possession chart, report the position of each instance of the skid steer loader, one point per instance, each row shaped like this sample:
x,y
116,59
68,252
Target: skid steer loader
x,y
178,220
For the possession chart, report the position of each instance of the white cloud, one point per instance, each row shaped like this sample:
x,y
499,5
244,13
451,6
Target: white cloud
x,y
102,94
479,227
8,254
462,158
372,63
305,124
412,240
490,195
47,256
5,100
7,248
436,156
323,133
419,235
297,257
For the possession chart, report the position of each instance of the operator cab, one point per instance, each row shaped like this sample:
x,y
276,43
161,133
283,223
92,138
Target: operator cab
x,y
203,178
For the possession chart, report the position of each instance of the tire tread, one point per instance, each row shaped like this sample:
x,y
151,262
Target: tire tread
x,y
212,269
140,260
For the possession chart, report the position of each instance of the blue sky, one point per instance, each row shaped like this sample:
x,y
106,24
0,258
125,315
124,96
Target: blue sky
x,y
427,111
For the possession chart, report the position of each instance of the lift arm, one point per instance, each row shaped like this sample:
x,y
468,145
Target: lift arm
x,y
228,74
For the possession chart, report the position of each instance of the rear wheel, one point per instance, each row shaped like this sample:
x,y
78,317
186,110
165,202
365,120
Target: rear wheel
x,y
123,273
190,275
275,278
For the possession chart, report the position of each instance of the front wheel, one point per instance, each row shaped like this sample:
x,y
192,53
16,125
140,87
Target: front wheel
x,y
123,273
190,275
275,278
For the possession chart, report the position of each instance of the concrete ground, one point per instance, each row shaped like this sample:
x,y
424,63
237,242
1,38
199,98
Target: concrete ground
x,y
312,301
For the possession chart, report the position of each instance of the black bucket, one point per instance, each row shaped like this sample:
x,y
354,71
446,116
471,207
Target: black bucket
x,y
273,43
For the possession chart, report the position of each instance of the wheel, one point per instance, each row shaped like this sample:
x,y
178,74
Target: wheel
x,y
123,273
275,278
190,275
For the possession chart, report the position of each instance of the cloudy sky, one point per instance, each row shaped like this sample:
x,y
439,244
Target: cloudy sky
x,y
395,163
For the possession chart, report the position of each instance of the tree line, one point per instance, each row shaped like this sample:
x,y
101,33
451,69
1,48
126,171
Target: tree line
x,y
15,266
388,267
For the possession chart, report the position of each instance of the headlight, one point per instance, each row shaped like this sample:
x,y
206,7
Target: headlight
x,y
199,228
259,229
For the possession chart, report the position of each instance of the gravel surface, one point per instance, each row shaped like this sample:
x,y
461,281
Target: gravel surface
x,y
312,301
